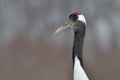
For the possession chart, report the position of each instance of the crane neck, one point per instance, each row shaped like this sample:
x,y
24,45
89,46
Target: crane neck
x,y
78,46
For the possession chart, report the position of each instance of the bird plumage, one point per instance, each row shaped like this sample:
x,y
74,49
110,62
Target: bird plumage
x,y
77,21
79,73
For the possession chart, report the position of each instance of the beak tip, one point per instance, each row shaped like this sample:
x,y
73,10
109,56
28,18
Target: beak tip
x,y
56,32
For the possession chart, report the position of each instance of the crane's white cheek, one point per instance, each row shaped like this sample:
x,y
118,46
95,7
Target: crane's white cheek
x,y
82,18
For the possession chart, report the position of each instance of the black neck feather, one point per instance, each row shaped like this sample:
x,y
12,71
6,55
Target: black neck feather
x,y
78,44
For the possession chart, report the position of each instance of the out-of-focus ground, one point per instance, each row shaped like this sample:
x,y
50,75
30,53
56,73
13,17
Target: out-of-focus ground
x,y
29,49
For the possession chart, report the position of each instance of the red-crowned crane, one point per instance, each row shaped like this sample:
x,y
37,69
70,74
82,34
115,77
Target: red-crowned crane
x,y
77,21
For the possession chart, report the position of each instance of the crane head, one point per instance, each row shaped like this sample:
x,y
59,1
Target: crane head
x,y
72,21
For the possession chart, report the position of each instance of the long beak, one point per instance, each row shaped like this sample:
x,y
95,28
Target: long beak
x,y
66,25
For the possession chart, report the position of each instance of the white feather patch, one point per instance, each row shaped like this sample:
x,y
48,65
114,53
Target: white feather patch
x,y
82,18
79,73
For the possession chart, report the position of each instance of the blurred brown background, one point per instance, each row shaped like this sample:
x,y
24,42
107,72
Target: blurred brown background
x,y
29,49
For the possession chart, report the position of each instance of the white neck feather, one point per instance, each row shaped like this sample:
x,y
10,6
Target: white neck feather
x,y
82,18
79,73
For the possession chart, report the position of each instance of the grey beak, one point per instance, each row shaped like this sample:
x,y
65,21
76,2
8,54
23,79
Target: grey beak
x,y
66,25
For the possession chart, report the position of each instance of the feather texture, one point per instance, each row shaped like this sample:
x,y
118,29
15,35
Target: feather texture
x,y
79,73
